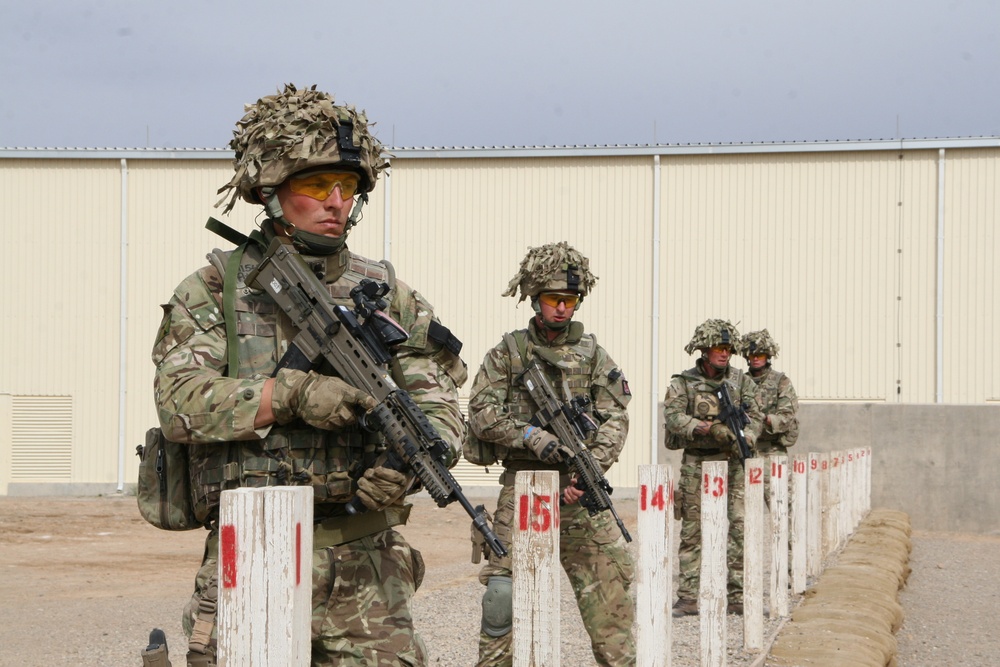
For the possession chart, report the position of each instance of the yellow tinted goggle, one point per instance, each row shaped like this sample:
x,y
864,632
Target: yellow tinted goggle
x,y
553,299
721,348
320,186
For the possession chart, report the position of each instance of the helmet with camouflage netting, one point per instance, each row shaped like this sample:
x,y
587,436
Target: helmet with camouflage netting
x,y
759,342
555,267
298,129
714,332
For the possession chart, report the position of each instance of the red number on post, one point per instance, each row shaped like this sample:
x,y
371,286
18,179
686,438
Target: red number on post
x,y
539,517
716,486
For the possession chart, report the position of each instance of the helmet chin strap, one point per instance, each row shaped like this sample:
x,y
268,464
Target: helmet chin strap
x,y
312,244
552,326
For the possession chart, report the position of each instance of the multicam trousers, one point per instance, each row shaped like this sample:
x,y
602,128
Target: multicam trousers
x,y
361,602
594,555
689,551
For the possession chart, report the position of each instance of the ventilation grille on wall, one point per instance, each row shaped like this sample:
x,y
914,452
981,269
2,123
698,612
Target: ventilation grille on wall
x,y
41,438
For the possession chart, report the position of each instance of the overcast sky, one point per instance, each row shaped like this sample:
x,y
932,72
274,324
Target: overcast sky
x,y
176,73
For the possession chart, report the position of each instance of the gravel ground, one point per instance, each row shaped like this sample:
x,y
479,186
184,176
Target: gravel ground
x,y
84,580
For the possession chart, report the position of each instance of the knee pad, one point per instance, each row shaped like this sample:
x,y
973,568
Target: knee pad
x,y
498,606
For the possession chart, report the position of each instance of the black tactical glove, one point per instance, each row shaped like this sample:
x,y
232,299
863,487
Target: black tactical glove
x,y
546,446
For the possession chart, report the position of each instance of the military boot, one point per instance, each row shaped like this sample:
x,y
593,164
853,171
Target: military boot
x,y
685,607
735,608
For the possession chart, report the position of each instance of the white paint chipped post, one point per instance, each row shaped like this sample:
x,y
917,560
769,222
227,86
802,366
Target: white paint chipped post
x,y
654,566
798,495
838,498
753,555
536,568
814,524
714,540
779,536
829,526
265,577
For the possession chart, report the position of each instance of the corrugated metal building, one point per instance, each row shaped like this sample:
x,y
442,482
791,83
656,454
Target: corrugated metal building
x,y
872,264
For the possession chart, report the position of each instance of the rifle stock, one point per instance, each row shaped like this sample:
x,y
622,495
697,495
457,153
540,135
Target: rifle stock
x,y
570,423
356,343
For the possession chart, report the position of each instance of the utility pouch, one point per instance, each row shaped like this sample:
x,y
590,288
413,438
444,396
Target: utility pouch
x,y
477,451
674,441
164,487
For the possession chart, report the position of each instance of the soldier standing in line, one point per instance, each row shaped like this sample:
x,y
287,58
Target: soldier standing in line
x,y
593,553
775,394
304,159
691,409
777,399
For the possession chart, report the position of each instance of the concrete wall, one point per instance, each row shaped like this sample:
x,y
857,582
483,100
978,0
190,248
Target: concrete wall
x,y
938,463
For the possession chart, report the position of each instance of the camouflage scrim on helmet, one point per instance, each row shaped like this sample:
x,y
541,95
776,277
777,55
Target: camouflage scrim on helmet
x,y
552,267
759,342
294,130
714,332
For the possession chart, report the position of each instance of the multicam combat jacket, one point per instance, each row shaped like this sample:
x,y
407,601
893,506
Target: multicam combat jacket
x,y
500,407
779,402
201,403
691,398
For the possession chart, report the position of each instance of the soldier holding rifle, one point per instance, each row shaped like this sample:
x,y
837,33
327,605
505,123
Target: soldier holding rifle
x,y
693,416
508,421
310,164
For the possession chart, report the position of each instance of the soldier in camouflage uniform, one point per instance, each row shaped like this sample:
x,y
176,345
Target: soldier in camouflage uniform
x,y
592,550
303,158
775,394
690,411
777,398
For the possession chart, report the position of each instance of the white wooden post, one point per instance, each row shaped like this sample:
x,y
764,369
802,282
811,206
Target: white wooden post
x,y
797,511
868,479
814,524
753,555
714,539
829,511
536,568
265,577
838,478
779,537
851,485
655,566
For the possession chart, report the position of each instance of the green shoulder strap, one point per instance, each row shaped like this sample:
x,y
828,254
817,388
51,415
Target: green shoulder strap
x,y
229,280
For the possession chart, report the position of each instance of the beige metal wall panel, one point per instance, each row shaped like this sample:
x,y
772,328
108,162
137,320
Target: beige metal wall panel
x,y
837,253
804,245
60,305
913,328
971,317
461,227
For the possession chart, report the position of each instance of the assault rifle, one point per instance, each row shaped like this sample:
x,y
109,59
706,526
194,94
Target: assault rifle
x,y
570,422
735,417
357,345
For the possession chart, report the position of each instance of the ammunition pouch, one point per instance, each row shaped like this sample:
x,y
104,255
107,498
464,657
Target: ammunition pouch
x,y
163,492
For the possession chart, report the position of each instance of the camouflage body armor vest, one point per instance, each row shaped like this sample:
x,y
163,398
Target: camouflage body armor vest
x,y
568,368
296,453
767,396
703,404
